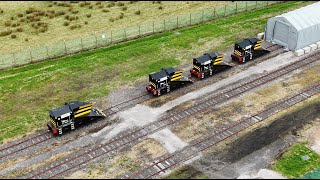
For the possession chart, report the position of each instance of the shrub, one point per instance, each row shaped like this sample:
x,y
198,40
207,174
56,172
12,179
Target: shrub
x,y
19,29
22,19
42,29
137,12
7,23
66,23
160,7
15,24
70,9
50,5
20,15
60,13
100,6
36,19
86,22
98,3
67,17
87,3
88,15
120,4
1,11
90,7
81,4
124,8
111,19
13,36
121,15
75,12
105,10
159,2
75,26
41,13
51,16
26,39
12,18
6,32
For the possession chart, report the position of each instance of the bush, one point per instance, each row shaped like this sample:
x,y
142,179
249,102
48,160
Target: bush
x,y
100,6
66,23
120,4
105,10
75,26
160,7
137,12
51,16
15,24
19,29
7,23
121,16
75,12
60,13
88,15
13,36
159,2
6,32
67,17
50,5
26,39
41,13
22,19
1,11
90,7
111,19
42,29
86,22
124,8
20,15
12,18
81,4
87,3
98,3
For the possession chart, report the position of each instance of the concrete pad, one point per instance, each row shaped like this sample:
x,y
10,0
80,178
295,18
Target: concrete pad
x,y
318,43
306,49
313,47
260,36
299,52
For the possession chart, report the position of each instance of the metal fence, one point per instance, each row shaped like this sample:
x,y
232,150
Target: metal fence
x,y
32,55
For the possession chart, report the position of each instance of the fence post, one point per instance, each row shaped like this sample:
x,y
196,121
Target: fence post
x,y
190,20
111,37
65,46
30,53
225,8
236,7
153,27
95,35
48,50
202,17
246,6
177,21
214,11
256,5
139,30
81,45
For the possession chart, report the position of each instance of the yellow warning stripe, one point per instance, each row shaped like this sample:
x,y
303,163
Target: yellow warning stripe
x,y
151,83
84,106
260,41
237,52
221,56
257,45
83,113
216,63
177,72
176,75
84,109
218,59
196,67
176,78
53,123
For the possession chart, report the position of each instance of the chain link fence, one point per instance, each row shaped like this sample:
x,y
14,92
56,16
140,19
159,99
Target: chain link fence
x,y
103,39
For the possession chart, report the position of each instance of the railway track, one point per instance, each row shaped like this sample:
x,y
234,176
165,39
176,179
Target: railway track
x,y
170,161
15,147
128,138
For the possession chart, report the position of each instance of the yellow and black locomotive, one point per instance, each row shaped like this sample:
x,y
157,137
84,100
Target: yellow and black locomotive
x,y
208,64
247,50
166,80
71,114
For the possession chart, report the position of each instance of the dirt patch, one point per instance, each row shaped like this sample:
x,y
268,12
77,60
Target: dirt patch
x,y
124,162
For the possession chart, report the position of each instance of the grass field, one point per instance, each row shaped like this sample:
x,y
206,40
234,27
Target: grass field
x,y
26,93
92,16
292,165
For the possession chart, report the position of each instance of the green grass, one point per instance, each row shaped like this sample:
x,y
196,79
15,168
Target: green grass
x,y
291,163
186,172
26,93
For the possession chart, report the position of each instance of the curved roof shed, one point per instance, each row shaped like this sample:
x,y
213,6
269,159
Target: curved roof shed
x,y
295,29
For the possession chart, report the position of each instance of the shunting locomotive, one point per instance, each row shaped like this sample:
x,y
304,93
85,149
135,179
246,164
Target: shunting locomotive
x,y
208,64
247,50
166,80
71,114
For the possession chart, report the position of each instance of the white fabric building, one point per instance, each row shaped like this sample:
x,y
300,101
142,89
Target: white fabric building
x,y
295,29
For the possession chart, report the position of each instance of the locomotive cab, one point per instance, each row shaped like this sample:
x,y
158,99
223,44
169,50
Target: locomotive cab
x,y
207,64
165,80
246,50
70,114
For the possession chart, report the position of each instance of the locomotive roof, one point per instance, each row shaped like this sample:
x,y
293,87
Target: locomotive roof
x,y
206,57
158,75
57,112
163,73
76,104
247,42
